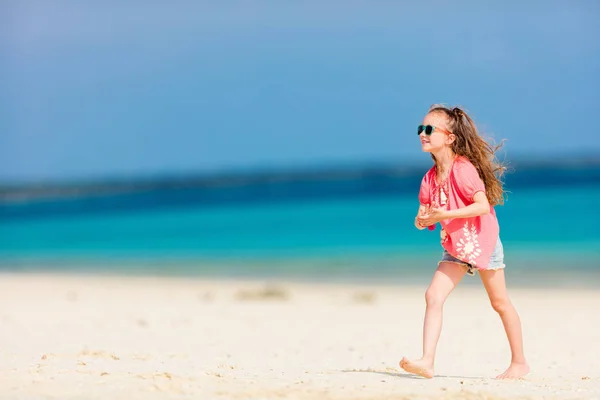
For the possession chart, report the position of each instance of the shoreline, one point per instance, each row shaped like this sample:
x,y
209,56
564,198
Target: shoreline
x,y
542,280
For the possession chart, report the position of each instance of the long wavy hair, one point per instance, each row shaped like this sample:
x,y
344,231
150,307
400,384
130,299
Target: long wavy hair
x,y
469,143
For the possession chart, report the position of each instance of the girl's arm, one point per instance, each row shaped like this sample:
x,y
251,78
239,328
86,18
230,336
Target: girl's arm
x,y
480,206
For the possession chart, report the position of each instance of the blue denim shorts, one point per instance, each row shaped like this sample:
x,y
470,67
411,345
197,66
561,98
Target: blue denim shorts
x,y
496,260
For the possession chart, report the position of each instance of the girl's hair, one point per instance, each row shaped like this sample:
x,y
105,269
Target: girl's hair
x,y
470,144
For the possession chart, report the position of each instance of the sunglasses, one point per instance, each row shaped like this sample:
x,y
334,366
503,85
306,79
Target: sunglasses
x,y
428,129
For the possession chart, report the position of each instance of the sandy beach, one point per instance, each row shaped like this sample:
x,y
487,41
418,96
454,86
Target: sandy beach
x,y
102,337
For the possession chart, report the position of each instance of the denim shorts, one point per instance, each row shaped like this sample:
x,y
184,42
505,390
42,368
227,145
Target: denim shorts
x,y
496,260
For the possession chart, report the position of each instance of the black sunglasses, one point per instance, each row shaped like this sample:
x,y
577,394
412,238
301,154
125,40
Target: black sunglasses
x,y
428,129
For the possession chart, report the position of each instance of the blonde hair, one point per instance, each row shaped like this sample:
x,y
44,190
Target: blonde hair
x,y
469,143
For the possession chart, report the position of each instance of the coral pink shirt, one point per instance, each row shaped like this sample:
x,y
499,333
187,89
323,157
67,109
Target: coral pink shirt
x,y
471,240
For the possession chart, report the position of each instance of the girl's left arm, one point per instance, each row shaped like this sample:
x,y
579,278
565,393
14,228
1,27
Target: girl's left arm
x,y
480,206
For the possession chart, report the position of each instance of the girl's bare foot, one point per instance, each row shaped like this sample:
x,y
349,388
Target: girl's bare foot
x,y
515,371
418,367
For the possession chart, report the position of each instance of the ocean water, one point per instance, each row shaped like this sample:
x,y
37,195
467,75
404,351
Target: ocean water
x,y
550,232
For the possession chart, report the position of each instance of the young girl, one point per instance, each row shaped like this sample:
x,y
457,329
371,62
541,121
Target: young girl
x,y
460,193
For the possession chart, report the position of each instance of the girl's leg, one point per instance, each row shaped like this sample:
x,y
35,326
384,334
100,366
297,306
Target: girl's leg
x,y
495,285
444,281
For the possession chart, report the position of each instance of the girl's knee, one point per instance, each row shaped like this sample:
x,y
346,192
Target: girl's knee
x,y
433,298
501,305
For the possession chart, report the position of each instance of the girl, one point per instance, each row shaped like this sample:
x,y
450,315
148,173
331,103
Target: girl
x,y
460,193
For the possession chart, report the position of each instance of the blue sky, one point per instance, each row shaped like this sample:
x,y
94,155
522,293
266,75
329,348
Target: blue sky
x,y
101,90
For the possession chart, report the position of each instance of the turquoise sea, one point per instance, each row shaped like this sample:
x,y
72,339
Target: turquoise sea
x,y
344,227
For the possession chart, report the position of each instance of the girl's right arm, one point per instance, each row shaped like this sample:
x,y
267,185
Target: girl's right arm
x,y
424,199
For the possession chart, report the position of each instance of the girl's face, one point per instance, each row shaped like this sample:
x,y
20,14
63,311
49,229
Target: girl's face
x,y
440,137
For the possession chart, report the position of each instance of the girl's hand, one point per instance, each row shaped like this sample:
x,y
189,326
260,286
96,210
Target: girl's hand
x,y
418,224
433,216
422,211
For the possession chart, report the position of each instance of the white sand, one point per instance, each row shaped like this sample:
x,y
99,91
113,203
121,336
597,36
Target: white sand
x,y
89,337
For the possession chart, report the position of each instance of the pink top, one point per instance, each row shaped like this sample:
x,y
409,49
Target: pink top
x,y
471,240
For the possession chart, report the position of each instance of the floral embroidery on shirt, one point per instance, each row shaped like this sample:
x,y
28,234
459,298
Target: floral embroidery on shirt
x,y
443,197
439,198
468,245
